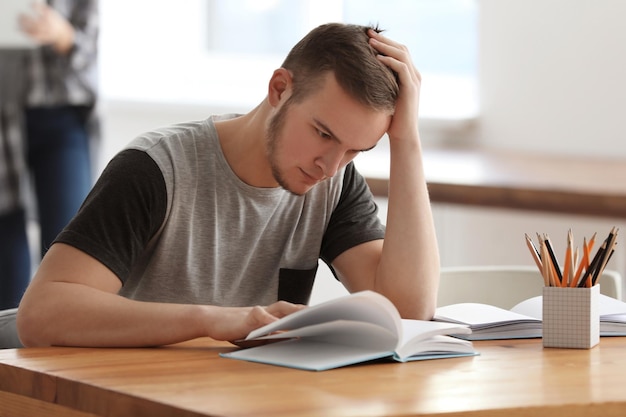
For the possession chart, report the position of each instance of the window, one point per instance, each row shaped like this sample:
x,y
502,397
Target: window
x,y
222,52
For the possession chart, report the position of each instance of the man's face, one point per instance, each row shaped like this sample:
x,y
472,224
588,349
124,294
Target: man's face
x,y
310,141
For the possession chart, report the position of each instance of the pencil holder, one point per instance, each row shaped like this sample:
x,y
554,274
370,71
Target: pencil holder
x,y
571,317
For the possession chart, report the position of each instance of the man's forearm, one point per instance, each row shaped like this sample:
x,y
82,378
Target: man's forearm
x,y
409,268
76,315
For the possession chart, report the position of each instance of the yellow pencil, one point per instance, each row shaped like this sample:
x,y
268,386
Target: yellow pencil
x,y
548,267
533,252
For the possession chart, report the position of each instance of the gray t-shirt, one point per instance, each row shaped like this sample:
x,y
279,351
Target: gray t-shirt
x,y
172,220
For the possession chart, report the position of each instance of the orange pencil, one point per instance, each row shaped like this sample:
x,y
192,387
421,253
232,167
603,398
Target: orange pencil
x,y
570,256
575,266
589,273
584,263
567,279
593,265
592,241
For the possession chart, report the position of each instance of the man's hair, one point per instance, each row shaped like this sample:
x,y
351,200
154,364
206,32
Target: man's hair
x,y
344,50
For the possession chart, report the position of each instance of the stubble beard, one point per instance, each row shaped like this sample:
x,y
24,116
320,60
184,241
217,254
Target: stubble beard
x,y
272,135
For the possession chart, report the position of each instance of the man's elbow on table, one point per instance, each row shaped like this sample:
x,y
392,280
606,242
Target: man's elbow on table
x,y
31,327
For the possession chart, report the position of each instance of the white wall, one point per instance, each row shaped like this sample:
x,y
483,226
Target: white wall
x,y
552,75
551,80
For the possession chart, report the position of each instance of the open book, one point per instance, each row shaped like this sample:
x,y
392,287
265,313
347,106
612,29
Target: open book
x,y
523,320
355,328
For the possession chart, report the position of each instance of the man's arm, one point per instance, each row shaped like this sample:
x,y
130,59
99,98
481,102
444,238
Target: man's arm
x,y
405,266
73,301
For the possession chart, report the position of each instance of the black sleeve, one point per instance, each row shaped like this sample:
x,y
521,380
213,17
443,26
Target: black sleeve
x,y
354,220
122,212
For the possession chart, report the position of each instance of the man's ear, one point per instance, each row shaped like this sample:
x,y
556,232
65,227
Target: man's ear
x,y
280,86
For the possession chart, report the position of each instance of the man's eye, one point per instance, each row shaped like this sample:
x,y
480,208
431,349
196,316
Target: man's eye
x,y
323,134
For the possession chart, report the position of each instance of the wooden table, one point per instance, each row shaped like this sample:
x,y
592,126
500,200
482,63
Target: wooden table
x,y
511,179
510,378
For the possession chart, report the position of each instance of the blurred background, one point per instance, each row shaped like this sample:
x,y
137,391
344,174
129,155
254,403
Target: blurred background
x,y
542,76
174,60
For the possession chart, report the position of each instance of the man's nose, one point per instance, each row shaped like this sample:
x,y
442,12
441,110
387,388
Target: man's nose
x,y
330,163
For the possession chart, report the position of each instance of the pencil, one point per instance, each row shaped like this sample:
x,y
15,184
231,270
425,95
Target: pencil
x,y
585,281
584,263
570,251
552,275
567,267
593,282
610,244
545,270
555,263
575,268
533,252
592,241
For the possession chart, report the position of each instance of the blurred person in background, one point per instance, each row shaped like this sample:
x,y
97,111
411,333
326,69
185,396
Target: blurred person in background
x,y
48,131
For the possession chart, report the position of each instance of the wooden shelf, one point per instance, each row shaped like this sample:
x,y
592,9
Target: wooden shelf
x,y
516,180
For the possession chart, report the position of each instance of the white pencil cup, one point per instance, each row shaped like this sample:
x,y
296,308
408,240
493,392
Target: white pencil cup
x,y
571,317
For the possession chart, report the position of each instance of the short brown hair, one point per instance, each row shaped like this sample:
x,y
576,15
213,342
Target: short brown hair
x,y
343,49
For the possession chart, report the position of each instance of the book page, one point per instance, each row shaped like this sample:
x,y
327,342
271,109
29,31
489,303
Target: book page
x,y
608,306
532,307
308,354
339,343
477,314
355,328
343,332
438,347
366,306
420,336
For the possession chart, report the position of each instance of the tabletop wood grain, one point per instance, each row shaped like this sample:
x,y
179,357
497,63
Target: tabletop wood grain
x,y
510,378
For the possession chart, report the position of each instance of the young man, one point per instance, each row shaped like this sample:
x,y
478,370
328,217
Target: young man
x,y
214,228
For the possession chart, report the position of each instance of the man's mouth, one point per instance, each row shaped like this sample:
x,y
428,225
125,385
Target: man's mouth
x,y
310,178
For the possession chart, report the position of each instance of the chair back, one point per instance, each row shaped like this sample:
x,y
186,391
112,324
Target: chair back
x,y
504,286
8,332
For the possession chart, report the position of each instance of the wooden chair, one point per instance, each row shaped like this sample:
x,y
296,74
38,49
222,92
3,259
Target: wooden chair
x,y
505,286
